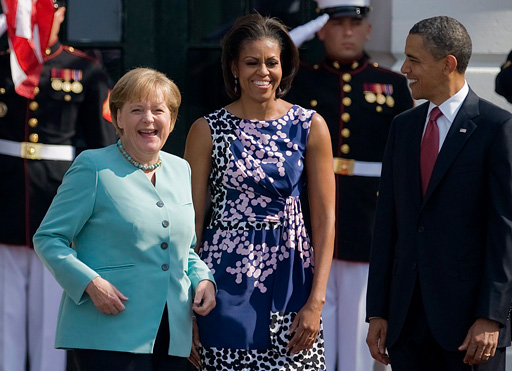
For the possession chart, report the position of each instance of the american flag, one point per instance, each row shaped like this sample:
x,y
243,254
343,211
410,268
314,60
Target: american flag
x,y
29,23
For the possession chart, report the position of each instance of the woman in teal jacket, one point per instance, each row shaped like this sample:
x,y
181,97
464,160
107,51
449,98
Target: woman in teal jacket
x,y
119,238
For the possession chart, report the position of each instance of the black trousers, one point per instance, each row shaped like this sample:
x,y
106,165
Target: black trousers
x,y
416,349
101,360
496,363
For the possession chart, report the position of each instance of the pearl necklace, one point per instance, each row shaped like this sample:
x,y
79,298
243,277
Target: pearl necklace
x,y
135,163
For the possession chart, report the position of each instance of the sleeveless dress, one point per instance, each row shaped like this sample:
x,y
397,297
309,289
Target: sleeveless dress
x,y
256,244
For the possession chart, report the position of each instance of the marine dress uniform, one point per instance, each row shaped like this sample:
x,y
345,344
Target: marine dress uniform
x,y
358,100
39,139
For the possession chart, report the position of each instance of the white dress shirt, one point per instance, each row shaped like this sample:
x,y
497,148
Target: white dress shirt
x,y
449,108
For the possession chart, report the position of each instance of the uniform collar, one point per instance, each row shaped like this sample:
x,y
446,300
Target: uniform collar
x,y
347,66
53,48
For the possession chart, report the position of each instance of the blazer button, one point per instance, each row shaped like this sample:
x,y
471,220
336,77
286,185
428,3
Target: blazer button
x,y
160,204
414,266
165,223
421,229
165,267
164,245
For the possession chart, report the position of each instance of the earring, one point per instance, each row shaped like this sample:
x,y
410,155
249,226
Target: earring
x,y
236,84
279,90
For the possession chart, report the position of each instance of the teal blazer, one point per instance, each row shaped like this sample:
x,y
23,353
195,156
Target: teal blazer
x,y
108,220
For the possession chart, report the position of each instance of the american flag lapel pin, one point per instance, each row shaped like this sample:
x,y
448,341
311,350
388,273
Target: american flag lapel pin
x,y
463,130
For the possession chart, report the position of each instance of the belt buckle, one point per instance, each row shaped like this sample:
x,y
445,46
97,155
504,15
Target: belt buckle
x,y
31,151
343,166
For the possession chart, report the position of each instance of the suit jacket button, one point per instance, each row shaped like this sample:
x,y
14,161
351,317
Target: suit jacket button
x,y
414,266
164,245
160,204
421,229
165,267
165,223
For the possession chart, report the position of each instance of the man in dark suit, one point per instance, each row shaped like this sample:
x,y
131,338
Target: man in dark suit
x,y
440,278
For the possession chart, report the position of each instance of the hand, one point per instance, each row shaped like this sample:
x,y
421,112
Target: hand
x,y
195,358
481,341
376,339
306,327
105,296
204,300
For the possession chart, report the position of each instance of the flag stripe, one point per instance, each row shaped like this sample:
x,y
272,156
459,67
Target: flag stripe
x,y
29,25
24,19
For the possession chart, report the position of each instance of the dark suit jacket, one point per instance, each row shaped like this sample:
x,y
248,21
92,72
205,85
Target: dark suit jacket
x,y
457,240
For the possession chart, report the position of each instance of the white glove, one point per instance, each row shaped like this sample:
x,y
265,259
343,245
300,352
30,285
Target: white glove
x,y
307,31
3,24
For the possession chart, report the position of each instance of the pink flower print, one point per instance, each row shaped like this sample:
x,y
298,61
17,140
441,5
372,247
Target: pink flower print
x,y
259,153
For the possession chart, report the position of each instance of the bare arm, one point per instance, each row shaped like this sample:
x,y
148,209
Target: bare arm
x,y
321,193
198,153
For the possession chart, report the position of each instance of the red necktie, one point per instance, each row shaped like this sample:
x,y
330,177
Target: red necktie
x,y
429,148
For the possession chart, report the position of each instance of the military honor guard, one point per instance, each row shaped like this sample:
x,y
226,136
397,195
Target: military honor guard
x,y
358,100
39,139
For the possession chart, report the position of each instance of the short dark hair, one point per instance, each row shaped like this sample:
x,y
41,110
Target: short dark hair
x,y
253,27
443,36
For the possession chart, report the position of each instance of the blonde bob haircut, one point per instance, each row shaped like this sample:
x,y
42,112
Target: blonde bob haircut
x,y
142,85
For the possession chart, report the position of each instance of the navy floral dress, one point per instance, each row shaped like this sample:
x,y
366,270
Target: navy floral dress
x,y
256,244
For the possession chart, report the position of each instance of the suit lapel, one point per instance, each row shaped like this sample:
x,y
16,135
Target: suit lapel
x,y
461,130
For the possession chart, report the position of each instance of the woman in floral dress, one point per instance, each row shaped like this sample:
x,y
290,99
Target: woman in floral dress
x,y
251,162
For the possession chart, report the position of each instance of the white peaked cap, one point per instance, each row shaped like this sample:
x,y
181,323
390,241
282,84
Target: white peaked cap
x,y
329,8
344,8
323,4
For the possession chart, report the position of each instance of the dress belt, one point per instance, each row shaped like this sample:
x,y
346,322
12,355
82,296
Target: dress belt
x,y
37,151
344,166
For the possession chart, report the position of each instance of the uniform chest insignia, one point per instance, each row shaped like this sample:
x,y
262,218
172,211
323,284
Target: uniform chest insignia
x,y
66,80
381,99
380,93
3,109
370,96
